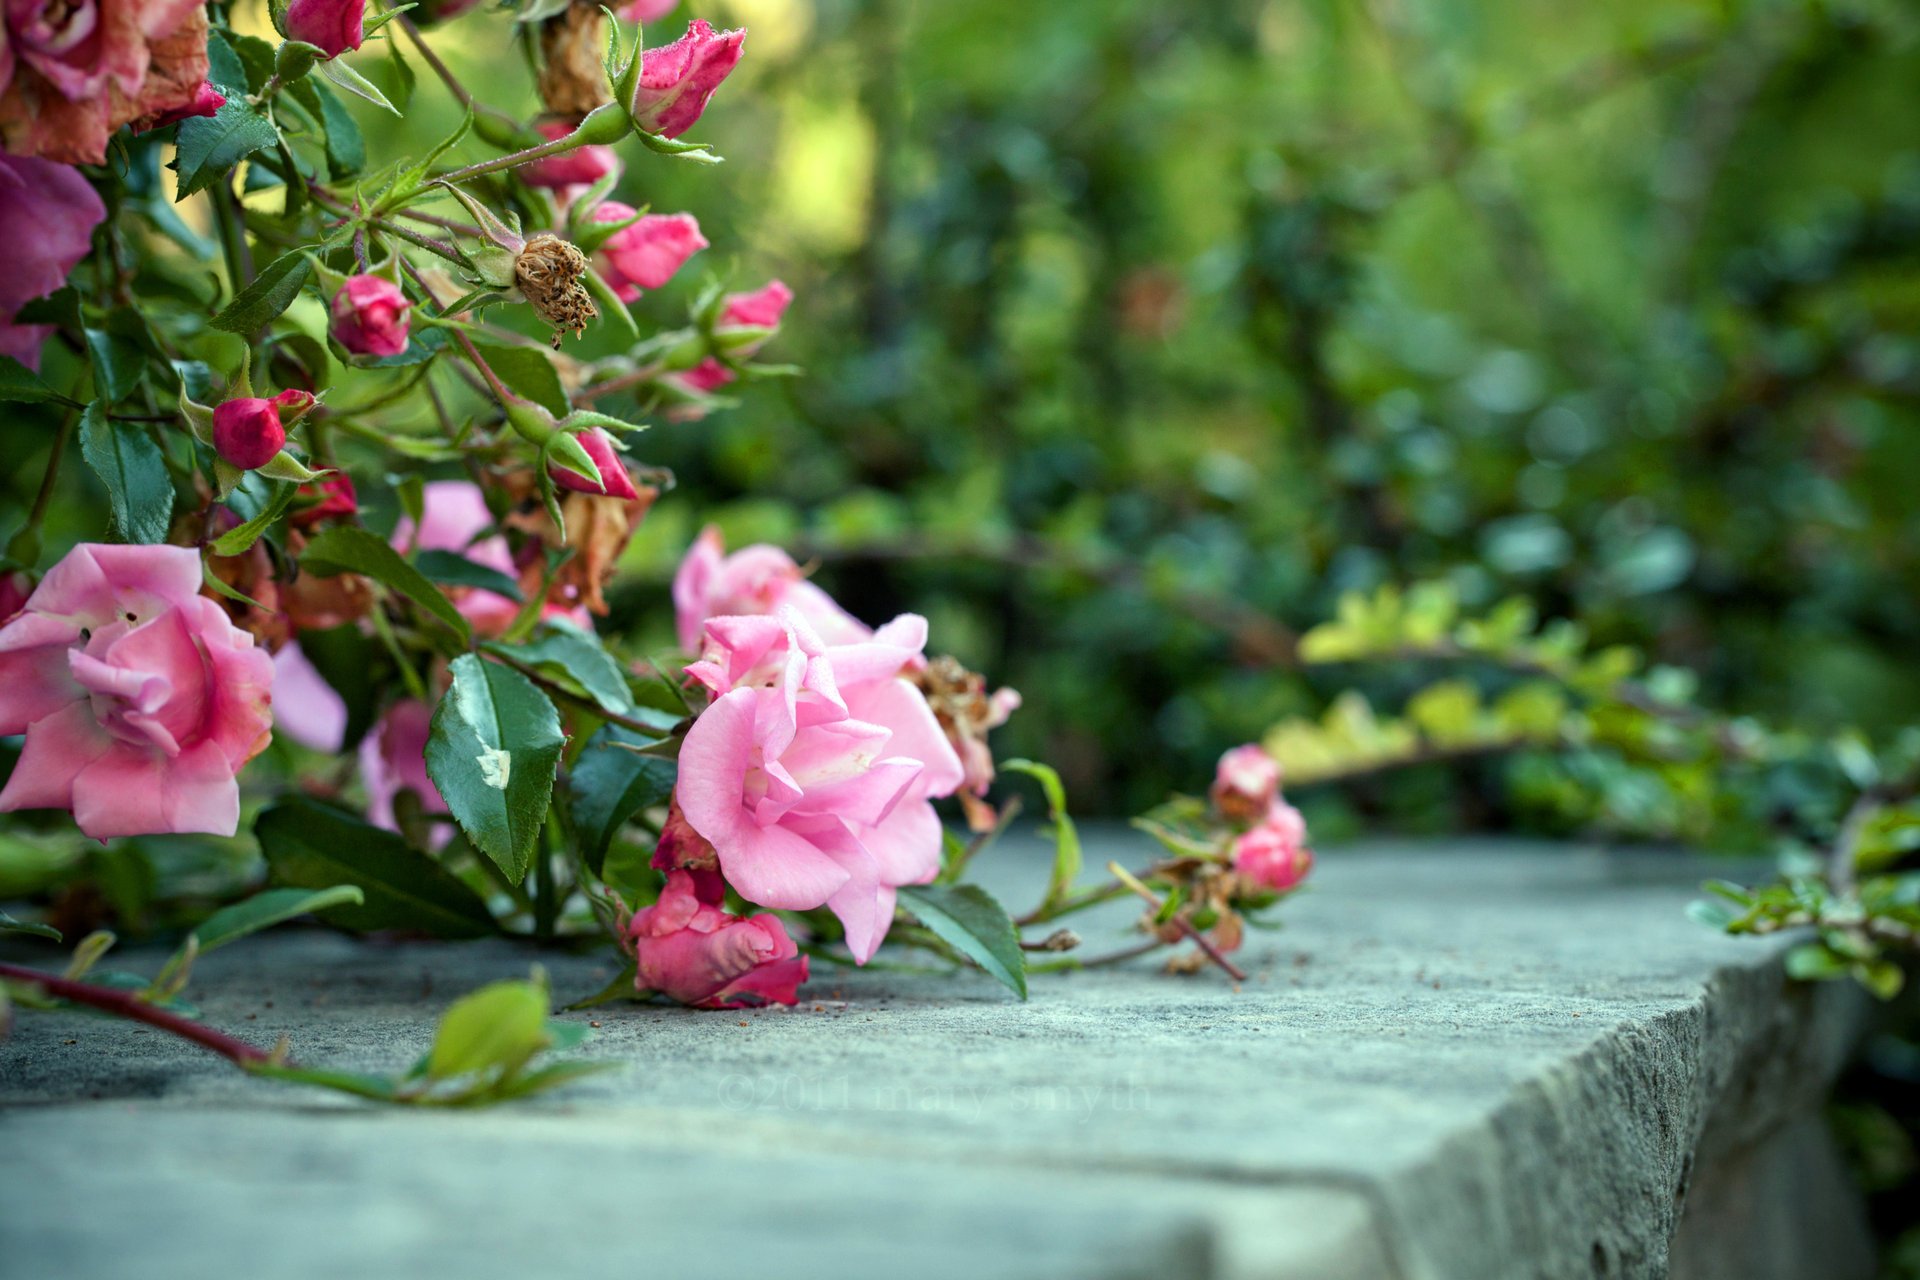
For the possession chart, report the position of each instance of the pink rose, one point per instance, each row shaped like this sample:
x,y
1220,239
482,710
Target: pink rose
x,y
1274,855
647,10
756,579
393,758
306,708
47,216
455,514
332,26
249,431
646,254
689,949
677,79
1245,783
73,71
206,101
813,770
570,170
370,316
760,309
615,482
139,698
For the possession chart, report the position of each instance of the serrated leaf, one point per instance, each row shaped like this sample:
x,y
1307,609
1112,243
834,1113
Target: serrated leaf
x,y
575,660
491,751
264,910
315,846
343,549
270,293
132,467
966,917
22,385
209,148
241,537
609,784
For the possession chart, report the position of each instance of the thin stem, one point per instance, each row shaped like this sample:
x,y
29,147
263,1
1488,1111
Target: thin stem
x,y
1078,902
1069,963
128,1004
546,899
454,87
51,476
513,160
1180,922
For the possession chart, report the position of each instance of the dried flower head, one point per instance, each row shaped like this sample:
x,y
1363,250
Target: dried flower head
x,y
966,712
572,80
549,272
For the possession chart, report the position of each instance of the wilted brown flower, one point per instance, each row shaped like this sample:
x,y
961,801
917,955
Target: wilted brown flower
x,y
966,712
549,272
572,79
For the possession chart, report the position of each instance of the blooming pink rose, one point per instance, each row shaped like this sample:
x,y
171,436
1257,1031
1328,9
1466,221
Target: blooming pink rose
x,y
249,431
581,167
332,26
1274,854
677,79
646,254
139,698
647,10
393,758
47,216
760,309
306,708
813,770
688,948
370,316
206,101
455,515
73,71
1245,783
615,482
756,579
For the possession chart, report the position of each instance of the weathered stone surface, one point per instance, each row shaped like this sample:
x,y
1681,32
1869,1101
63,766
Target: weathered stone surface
x,y
1457,1060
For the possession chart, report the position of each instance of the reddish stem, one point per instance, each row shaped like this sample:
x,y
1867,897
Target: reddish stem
x,y
128,1004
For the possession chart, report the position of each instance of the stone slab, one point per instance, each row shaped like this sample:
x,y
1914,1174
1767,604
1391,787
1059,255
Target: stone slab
x,y
1456,1060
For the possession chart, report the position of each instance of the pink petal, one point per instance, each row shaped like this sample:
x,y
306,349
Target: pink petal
x,y
130,792
58,749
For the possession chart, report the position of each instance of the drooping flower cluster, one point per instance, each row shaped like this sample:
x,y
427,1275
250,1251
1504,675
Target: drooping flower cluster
x,y
1270,852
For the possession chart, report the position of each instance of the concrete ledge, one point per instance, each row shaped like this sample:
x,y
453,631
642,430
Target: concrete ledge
x,y
1457,1060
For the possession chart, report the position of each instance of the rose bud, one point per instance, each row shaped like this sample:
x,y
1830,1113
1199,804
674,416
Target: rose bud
x,y
581,167
689,949
1273,856
331,497
760,309
248,432
206,101
647,10
1245,783
677,79
646,254
614,480
332,26
370,316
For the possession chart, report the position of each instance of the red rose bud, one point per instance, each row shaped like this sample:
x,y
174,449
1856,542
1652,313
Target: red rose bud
x,y
206,101
581,167
647,254
248,433
332,26
370,316
330,498
676,79
614,480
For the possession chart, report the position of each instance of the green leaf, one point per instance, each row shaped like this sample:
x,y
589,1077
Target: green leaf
x,y
500,1026
527,370
9,925
1067,856
609,784
575,660
264,910
242,536
271,293
1812,962
315,846
346,147
209,148
118,363
22,385
132,467
966,917
452,569
492,749
345,77
344,549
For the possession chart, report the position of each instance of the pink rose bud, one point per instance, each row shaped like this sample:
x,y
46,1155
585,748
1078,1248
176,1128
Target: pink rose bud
x,y
332,26
332,497
1274,855
1245,783
760,309
140,700
647,10
206,101
370,316
614,480
677,79
581,167
247,433
646,254
689,949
